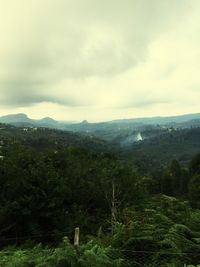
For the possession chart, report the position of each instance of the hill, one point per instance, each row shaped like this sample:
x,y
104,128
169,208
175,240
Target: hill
x,y
45,139
129,139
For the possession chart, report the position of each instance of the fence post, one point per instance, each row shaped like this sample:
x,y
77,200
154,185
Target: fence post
x,y
77,239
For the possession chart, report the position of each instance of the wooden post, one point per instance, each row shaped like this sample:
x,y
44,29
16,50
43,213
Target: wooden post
x,y
76,239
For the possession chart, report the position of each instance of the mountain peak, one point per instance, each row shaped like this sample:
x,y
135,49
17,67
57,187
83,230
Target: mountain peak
x,y
18,115
48,122
84,122
48,119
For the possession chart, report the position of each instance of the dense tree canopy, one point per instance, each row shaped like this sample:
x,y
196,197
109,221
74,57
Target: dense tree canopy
x,y
127,217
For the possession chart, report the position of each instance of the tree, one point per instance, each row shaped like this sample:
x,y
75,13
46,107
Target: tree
x,y
194,166
175,173
194,191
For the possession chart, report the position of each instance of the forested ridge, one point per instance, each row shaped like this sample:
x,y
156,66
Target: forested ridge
x,y
53,181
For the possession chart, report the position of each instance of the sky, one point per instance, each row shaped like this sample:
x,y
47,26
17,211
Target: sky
x,y
99,60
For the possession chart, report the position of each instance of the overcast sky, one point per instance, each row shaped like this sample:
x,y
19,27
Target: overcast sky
x,y
99,59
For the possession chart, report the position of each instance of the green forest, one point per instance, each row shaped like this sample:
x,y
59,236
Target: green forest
x,y
52,182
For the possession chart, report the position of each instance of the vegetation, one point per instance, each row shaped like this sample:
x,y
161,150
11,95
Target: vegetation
x,y
127,217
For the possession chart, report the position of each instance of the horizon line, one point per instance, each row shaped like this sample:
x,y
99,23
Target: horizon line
x,y
112,120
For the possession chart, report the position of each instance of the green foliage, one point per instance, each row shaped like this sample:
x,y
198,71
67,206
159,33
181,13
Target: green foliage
x,y
91,255
45,193
50,193
163,232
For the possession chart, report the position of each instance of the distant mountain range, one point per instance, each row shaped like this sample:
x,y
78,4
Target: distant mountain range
x,y
21,120
157,138
162,120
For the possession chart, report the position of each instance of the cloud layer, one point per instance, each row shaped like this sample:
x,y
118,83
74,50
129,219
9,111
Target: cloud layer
x,y
99,59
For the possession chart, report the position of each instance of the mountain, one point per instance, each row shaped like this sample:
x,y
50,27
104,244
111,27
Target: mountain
x,y
162,120
123,131
143,140
47,122
22,120
163,147
46,139
15,118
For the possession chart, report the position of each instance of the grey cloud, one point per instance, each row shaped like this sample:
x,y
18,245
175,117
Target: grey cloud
x,y
24,92
78,40
25,100
23,97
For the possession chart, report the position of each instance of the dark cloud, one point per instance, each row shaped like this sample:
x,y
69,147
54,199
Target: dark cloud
x,y
72,52
24,92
